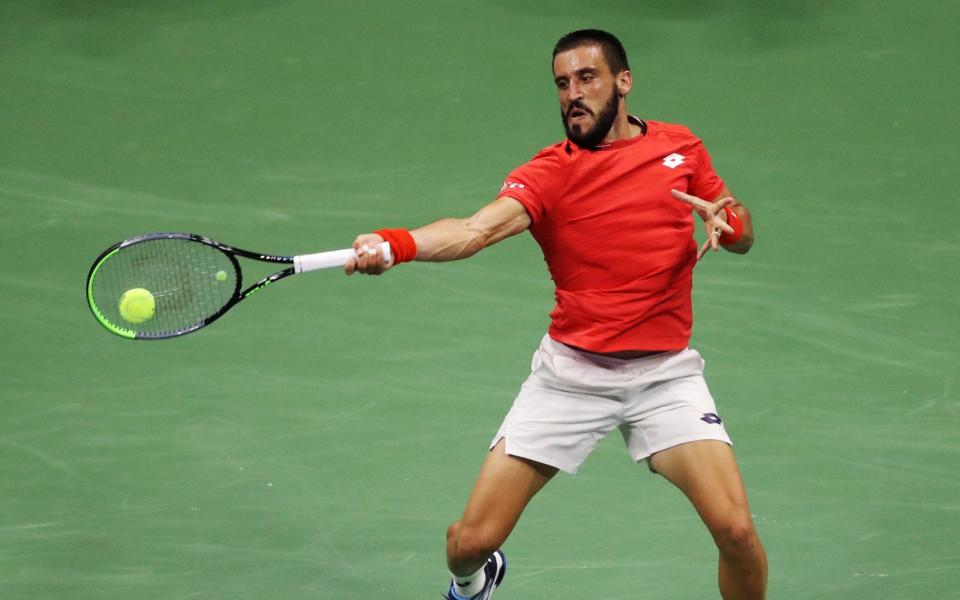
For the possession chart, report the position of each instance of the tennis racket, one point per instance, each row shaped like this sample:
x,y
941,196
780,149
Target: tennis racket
x,y
164,285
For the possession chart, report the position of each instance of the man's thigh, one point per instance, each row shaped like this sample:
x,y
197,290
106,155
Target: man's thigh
x,y
504,487
707,472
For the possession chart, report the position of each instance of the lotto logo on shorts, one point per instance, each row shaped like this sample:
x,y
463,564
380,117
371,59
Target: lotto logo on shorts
x,y
511,185
673,161
711,418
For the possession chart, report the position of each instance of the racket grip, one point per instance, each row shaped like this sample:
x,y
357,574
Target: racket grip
x,y
332,259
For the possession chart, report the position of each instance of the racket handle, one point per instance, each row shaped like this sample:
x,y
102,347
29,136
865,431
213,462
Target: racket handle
x,y
332,259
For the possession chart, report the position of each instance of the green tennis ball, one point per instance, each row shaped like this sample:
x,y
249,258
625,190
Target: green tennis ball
x,y
221,275
137,305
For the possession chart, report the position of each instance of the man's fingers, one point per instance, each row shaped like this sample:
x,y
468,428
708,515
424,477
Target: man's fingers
x,y
722,226
713,242
703,250
375,261
369,260
709,209
692,200
718,204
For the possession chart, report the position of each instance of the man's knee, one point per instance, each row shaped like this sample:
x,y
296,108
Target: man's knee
x,y
469,543
737,538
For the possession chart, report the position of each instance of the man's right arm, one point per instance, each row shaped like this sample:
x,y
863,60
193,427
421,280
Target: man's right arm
x,y
449,239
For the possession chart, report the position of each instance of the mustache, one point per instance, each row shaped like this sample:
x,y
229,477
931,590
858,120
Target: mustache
x,y
580,105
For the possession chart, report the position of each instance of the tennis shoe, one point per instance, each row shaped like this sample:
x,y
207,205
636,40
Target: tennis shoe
x,y
494,570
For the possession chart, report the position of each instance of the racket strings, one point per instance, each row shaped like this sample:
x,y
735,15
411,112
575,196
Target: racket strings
x,y
188,281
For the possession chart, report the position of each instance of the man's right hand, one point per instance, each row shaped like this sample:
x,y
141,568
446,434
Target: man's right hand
x,y
369,259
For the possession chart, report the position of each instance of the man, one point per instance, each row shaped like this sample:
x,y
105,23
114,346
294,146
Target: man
x,y
611,209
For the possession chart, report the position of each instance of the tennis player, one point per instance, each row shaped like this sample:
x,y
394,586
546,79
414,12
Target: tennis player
x,y
611,207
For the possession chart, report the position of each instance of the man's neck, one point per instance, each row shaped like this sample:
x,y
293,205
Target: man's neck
x,y
623,127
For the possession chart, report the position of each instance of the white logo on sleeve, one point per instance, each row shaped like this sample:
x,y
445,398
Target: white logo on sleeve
x,y
511,185
673,161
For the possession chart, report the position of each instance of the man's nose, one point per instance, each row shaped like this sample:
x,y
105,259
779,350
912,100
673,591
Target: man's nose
x,y
574,92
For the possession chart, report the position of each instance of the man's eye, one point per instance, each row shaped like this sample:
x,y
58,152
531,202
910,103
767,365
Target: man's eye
x,y
561,85
586,77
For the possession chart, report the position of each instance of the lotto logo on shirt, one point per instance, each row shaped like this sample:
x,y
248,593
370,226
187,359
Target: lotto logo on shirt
x,y
511,185
673,161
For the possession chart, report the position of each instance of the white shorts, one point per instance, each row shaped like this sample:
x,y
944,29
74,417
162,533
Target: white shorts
x,y
572,399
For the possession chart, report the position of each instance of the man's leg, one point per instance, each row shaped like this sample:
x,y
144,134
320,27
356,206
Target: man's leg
x,y
707,473
505,486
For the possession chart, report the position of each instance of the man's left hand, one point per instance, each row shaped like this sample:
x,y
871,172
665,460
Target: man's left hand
x,y
713,215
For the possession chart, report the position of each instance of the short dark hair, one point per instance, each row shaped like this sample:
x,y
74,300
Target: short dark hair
x,y
611,47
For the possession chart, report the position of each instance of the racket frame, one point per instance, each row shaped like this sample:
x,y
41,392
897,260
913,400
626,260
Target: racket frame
x,y
230,251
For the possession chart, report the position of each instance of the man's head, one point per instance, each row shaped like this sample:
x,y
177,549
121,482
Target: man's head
x,y
592,76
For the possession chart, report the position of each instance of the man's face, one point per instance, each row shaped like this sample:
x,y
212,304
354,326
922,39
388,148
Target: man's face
x,y
589,94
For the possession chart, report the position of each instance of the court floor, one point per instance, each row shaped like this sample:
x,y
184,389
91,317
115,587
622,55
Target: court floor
x,y
316,442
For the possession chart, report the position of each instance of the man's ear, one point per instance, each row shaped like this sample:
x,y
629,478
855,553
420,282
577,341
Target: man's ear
x,y
624,82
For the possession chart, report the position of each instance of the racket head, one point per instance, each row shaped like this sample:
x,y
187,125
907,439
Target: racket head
x,y
188,280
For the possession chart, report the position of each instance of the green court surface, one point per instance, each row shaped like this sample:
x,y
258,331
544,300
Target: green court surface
x,y
316,442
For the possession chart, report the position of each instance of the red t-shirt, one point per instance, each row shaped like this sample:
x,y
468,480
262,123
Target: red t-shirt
x,y
619,247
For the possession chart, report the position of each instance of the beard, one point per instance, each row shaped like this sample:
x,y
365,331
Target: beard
x,y
603,121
